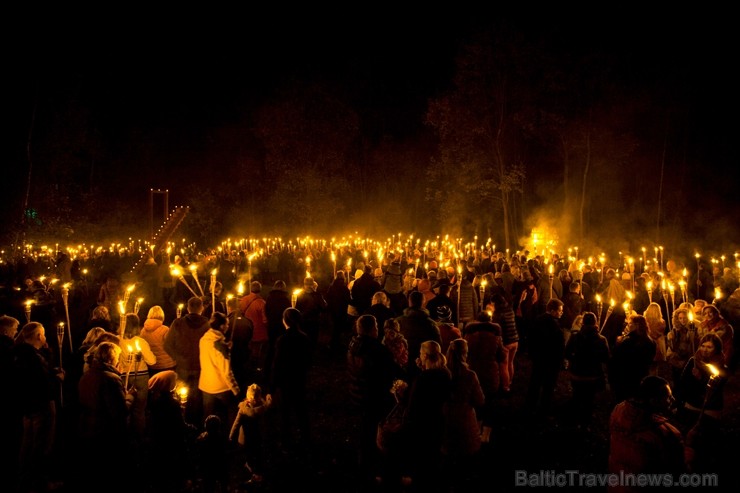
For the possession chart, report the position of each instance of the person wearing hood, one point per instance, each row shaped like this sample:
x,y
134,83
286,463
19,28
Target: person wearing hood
x,y
642,440
182,344
217,381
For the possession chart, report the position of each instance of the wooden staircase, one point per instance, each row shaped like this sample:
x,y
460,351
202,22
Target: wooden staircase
x,y
163,235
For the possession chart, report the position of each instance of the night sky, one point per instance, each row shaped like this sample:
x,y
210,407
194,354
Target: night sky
x,y
166,102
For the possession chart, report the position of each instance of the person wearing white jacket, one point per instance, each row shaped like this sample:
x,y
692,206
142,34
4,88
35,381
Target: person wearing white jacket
x,y
217,381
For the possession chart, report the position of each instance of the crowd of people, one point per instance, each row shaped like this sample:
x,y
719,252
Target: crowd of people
x,y
432,344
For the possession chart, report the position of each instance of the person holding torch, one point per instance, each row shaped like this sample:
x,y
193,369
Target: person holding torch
x,y
700,401
136,357
169,433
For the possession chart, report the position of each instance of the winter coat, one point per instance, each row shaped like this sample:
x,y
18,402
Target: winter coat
x,y
292,361
485,352
253,307
588,353
103,408
363,290
643,442
417,327
155,332
182,342
371,372
248,415
462,432
33,379
215,364
468,301
630,363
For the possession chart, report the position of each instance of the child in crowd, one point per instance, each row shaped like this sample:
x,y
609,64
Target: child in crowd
x,y
247,429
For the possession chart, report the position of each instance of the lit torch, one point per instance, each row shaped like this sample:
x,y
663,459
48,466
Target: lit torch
x,y
137,305
608,313
122,319
483,284
182,393
194,272
28,304
130,362
177,272
213,290
294,298
717,294
714,373
65,299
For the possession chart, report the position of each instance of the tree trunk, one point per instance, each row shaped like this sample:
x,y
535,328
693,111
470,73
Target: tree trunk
x,y
660,186
585,181
566,172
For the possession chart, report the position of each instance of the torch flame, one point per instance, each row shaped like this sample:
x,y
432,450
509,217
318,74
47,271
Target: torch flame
x,y
712,369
